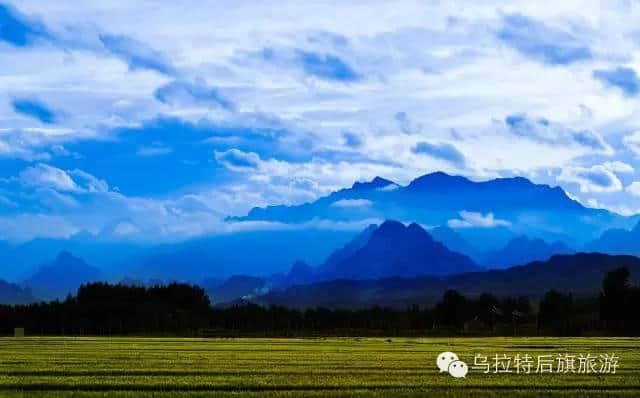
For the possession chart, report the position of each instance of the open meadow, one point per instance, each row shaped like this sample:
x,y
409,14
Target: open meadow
x,y
398,367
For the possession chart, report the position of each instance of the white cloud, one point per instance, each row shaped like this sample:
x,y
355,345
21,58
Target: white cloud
x,y
26,226
470,219
88,182
390,187
237,160
154,150
45,176
618,167
596,178
632,141
458,89
634,188
352,203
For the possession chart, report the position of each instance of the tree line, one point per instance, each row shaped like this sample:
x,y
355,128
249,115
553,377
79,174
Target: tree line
x,y
185,310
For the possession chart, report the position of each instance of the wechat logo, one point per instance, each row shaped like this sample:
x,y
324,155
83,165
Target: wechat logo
x,y
450,363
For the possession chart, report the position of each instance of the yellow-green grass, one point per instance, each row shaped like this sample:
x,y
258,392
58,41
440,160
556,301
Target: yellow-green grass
x,y
401,367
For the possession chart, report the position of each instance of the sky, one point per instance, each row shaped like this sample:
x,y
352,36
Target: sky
x,y
153,120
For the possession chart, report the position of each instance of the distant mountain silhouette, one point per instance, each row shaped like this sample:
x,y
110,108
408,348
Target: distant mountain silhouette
x,y
299,274
332,264
247,253
454,241
61,277
438,198
617,241
522,250
10,294
581,274
235,287
396,250
25,258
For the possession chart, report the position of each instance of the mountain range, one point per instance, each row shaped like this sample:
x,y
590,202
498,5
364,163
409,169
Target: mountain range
x,y
501,209
451,225
618,241
11,293
580,274
61,277
522,250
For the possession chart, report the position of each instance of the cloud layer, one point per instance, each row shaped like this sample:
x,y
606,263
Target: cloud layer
x,y
155,116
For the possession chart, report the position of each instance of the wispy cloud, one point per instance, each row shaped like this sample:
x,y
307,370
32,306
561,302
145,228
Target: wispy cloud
x,y
470,219
45,176
352,203
538,41
237,160
326,66
442,151
35,109
136,54
634,188
625,79
181,92
547,132
154,150
352,140
632,141
19,30
598,178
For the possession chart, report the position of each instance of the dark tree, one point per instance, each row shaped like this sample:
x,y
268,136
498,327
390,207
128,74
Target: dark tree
x,y
453,310
614,299
556,312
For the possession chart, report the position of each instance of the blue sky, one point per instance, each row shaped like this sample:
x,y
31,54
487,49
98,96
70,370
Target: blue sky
x,y
147,120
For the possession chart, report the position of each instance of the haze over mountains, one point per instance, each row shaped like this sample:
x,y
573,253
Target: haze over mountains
x,y
580,274
500,207
618,241
450,225
61,277
397,250
522,250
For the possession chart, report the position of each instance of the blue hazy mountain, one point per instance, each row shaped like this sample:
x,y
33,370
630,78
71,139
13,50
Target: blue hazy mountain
x,y
332,263
454,241
580,274
235,287
300,274
249,253
394,249
617,241
522,250
61,277
11,293
21,260
435,199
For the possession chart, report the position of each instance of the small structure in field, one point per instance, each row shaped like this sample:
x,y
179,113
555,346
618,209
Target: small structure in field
x,y
18,332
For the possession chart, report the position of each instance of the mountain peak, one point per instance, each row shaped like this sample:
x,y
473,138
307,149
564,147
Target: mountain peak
x,y
398,250
512,181
390,227
438,180
65,256
62,276
300,273
299,267
377,182
522,250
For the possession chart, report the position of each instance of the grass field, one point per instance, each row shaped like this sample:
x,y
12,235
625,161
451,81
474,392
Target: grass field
x,y
402,367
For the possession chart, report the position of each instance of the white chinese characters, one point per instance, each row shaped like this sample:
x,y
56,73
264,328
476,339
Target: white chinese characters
x,y
557,363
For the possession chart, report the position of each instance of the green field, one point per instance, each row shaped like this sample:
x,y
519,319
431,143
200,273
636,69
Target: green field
x,y
141,367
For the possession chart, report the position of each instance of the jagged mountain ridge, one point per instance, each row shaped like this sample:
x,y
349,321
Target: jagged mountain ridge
x,y
535,210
